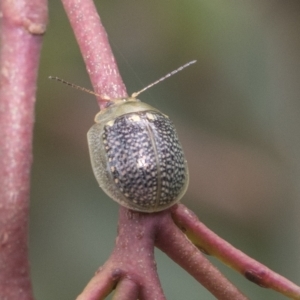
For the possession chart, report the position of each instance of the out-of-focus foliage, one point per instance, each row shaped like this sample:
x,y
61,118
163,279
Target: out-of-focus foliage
x,y
238,116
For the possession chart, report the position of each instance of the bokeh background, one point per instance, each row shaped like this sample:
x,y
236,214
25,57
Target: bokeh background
x,y
237,112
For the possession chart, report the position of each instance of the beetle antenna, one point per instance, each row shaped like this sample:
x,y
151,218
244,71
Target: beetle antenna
x,y
74,86
134,95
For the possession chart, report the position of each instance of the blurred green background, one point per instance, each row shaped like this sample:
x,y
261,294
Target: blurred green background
x,y
237,112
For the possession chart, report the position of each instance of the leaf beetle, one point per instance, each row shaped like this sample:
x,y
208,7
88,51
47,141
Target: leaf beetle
x,y
136,155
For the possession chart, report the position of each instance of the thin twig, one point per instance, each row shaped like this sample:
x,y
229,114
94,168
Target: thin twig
x,y
126,289
92,39
132,258
100,285
174,243
212,244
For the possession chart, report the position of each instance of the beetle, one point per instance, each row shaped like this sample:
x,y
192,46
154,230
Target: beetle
x,y
136,155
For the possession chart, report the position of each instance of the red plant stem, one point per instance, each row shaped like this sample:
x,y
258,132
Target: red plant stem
x,y
92,39
175,244
210,243
22,24
132,259
99,286
127,289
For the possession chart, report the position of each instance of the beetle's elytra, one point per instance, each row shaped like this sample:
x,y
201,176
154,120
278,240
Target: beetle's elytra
x,y
136,156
